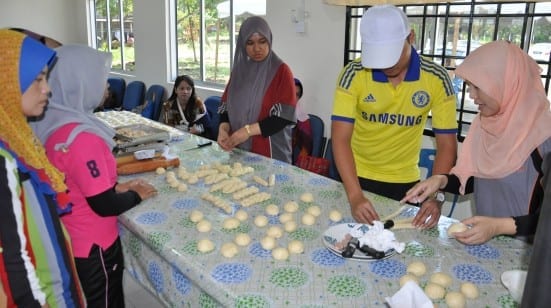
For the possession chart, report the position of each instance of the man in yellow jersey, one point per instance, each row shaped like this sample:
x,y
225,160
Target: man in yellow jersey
x,y
381,105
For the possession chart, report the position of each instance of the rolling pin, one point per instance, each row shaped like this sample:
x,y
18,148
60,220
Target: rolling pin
x,y
147,165
121,160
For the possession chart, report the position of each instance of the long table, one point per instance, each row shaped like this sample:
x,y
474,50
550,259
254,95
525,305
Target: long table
x,y
160,245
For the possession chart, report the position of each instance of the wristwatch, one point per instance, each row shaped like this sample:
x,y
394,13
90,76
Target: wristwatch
x,y
439,196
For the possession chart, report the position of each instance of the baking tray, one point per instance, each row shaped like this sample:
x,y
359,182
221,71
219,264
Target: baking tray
x,y
137,134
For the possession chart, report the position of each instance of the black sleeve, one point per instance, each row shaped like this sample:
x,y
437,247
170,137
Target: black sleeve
x,y
527,224
224,117
454,184
272,125
112,203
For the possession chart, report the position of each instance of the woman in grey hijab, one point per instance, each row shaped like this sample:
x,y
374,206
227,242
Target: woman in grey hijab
x,y
258,106
80,146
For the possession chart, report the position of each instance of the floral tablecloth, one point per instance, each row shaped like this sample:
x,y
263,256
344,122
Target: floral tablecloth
x,y
160,246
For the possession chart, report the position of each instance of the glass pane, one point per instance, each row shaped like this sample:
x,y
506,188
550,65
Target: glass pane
x,y
115,33
188,36
129,39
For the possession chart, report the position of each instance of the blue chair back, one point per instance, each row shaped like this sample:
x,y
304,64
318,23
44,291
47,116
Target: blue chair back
x,y
134,95
318,139
333,172
426,161
155,95
117,87
212,103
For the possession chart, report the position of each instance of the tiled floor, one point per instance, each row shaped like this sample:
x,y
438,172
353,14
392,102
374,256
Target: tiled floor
x,y
135,296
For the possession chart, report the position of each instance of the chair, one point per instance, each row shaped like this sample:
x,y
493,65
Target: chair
x,y
426,161
155,95
117,87
318,139
134,95
333,172
212,103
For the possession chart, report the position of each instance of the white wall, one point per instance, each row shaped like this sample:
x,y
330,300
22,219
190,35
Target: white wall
x,y
314,56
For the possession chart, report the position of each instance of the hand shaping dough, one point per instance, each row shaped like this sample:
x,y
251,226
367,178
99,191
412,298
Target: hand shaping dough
x,y
442,279
242,239
196,216
456,227
408,277
417,268
335,216
261,221
307,197
455,300
204,226
470,290
434,291
205,245
229,250
295,246
280,253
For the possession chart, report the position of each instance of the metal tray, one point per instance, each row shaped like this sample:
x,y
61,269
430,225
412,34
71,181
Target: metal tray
x,y
137,134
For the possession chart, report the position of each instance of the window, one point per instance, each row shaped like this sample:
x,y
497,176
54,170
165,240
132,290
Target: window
x,y
111,34
202,33
448,32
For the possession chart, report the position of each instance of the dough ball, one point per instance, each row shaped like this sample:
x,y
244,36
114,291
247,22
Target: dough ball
x,y
275,232
442,279
204,226
229,250
241,215
205,245
295,247
417,268
470,290
174,184
314,210
272,210
456,227
307,197
160,170
285,217
308,219
182,187
335,216
291,207
434,291
268,243
230,223
193,179
280,253
170,174
290,226
455,300
408,277
196,216
261,221
242,239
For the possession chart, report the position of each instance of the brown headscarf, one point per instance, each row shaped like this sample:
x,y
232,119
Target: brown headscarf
x,y
499,145
23,58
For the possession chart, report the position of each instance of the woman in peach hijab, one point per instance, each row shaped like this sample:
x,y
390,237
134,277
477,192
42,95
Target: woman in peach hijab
x,y
500,160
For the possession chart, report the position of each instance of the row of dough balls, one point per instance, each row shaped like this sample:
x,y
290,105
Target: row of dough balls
x,y
438,284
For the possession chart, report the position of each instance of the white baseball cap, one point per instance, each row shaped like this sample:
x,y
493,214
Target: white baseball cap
x,y
383,29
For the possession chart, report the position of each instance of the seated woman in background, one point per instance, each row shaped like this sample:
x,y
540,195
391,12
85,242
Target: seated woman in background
x,y
258,106
184,110
501,157
302,136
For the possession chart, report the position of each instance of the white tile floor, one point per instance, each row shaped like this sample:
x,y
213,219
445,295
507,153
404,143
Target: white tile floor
x,y
136,296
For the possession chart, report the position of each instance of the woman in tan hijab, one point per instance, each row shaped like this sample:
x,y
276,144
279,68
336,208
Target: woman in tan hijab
x,y
502,154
